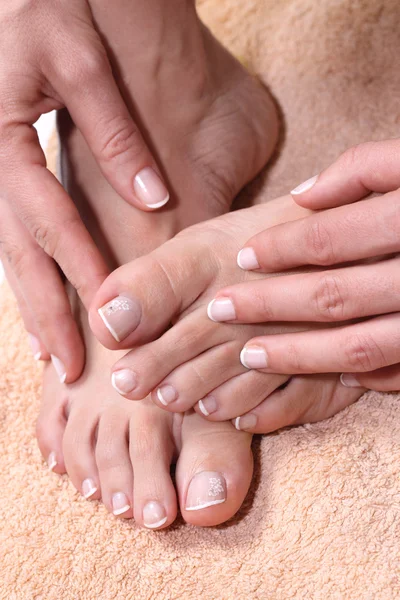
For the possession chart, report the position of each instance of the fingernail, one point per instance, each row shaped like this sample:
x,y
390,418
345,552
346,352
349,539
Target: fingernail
x,y
305,186
88,488
59,367
245,422
120,504
35,346
123,381
154,515
247,259
207,488
52,461
167,394
349,380
208,405
221,309
254,358
121,316
150,188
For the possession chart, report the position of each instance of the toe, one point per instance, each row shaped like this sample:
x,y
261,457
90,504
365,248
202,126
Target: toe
x,y
51,422
151,452
113,461
214,470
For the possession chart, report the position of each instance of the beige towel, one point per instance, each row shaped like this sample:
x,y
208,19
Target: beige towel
x,y
322,520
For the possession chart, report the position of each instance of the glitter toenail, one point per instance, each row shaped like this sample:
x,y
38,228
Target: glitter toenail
x,y
88,488
120,504
154,515
52,461
206,489
123,381
121,316
167,394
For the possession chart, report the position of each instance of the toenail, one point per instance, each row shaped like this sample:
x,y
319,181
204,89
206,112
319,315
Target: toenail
x,y
150,188
305,186
88,488
123,381
254,357
167,394
349,380
121,316
207,488
120,504
154,515
52,461
247,260
221,309
59,367
35,346
208,405
245,422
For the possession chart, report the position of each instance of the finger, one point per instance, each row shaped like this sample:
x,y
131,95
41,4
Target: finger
x,y
381,380
360,347
43,295
38,349
370,167
94,101
328,296
47,211
366,229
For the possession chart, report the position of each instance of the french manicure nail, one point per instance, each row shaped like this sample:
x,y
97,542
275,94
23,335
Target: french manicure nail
x,y
35,346
349,381
123,381
120,504
167,394
221,309
305,186
208,405
52,461
245,422
150,188
154,515
207,488
247,259
59,367
254,357
121,316
88,488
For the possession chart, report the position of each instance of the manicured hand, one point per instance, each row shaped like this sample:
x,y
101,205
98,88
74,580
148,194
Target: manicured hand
x,y
51,56
353,229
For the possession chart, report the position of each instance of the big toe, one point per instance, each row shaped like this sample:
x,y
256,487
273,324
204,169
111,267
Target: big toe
x,y
214,470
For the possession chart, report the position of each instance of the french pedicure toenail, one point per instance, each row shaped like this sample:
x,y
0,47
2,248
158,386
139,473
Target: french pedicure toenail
x,y
245,422
88,488
208,405
121,316
221,309
35,346
167,394
123,381
52,461
254,357
305,186
59,367
154,515
150,189
349,381
247,260
120,504
207,488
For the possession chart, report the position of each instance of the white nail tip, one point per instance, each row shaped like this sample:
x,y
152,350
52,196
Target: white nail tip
x,y
107,324
239,263
237,423
116,388
52,461
161,399
121,511
209,308
205,505
90,493
156,525
242,358
305,186
37,356
59,367
203,409
159,204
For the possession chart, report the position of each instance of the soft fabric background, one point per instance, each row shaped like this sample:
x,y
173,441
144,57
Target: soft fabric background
x,y
322,520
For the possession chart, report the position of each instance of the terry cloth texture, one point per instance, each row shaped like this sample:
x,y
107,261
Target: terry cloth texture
x,y
322,520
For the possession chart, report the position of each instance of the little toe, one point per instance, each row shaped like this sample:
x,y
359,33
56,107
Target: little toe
x,y
214,470
151,451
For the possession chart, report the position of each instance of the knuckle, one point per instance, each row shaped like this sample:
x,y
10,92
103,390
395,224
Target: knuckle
x,y
91,63
121,137
318,239
363,353
328,299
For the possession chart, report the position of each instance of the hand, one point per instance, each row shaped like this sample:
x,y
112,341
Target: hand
x,y
368,352
52,57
